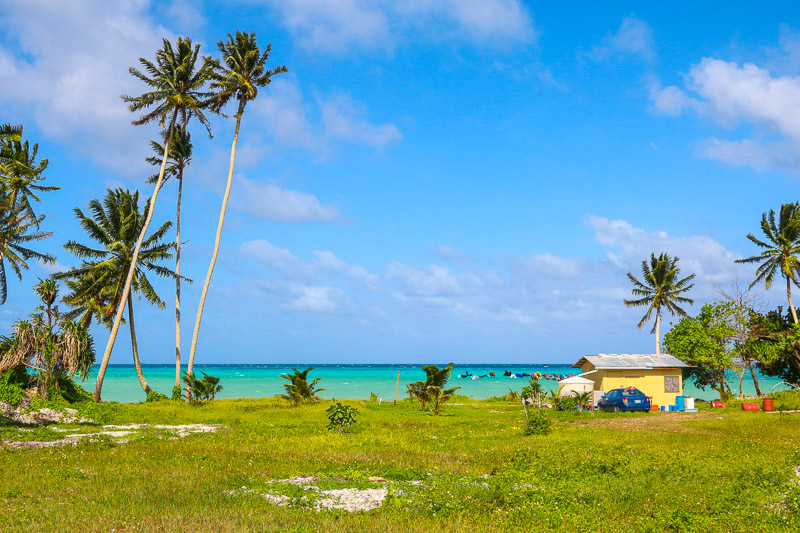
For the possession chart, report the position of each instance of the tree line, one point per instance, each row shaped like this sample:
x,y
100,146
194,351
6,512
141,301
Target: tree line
x,y
182,89
731,334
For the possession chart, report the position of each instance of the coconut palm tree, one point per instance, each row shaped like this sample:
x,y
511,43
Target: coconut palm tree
x,y
180,155
177,91
780,250
20,177
242,71
99,283
661,286
298,390
17,229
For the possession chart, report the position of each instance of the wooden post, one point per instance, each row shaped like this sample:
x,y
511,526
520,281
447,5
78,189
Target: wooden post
x,y
397,386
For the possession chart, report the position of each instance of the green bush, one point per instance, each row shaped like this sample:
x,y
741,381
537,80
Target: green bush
x,y
12,385
341,416
568,403
786,400
538,424
155,396
177,393
72,392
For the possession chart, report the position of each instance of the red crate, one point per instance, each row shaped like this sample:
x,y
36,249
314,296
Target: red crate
x,y
750,407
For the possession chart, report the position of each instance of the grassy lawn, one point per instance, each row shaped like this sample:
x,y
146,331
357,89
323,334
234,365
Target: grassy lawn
x,y
470,469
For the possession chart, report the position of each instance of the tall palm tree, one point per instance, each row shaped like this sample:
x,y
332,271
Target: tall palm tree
x,y
20,177
780,251
17,229
177,85
99,283
242,71
661,286
180,155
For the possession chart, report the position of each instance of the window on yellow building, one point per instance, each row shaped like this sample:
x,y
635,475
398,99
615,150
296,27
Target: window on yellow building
x,y
672,384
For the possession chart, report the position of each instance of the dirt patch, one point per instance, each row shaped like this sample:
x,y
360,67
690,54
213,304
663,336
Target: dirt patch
x,y
660,422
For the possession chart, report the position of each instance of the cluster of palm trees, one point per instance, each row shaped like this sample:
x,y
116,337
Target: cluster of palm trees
x,y
183,87
662,286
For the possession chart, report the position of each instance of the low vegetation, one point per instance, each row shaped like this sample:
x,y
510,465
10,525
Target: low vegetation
x,y
470,469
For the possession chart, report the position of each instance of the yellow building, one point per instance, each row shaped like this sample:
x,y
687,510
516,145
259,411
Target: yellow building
x,y
658,376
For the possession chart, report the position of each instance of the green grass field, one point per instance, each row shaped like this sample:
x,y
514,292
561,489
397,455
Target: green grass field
x,y
471,469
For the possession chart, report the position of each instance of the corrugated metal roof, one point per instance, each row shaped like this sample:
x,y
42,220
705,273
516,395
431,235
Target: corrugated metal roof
x,y
625,360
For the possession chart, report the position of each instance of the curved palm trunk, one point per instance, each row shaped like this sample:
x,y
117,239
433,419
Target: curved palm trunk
x,y
789,296
135,347
101,373
178,283
658,331
216,242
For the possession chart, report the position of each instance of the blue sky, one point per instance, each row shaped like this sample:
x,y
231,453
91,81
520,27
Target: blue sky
x,y
433,180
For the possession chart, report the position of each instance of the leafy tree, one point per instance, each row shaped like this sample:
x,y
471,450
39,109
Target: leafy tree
x,y
98,283
237,77
779,250
705,343
180,155
779,347
299,390
661,286
20,182
48,343
177,91
433,389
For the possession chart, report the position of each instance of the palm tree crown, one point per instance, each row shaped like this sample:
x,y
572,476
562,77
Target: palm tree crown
x,y
115,224
177,85
780,250
242,70
661,286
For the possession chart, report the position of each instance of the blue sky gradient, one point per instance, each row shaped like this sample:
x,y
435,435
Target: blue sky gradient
x,y
432,180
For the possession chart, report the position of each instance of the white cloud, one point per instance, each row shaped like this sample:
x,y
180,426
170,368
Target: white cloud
x,y
448,253
284,113
317,299
71,75
731,94
327,261
270,201
334,27
279,260
435,281
634,37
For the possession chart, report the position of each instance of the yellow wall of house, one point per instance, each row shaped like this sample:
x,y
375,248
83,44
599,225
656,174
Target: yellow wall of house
x,y
652,382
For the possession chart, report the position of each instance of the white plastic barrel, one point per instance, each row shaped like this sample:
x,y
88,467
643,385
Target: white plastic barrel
x,y
690,403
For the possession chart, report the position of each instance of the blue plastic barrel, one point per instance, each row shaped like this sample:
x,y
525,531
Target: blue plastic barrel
x,y
680,401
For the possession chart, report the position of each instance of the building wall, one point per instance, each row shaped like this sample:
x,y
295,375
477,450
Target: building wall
x,y
652,382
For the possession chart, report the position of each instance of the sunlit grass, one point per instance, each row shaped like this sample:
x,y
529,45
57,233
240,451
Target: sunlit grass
x,y
472,470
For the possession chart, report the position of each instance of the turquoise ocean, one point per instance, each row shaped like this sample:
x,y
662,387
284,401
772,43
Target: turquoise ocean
x,y
355,381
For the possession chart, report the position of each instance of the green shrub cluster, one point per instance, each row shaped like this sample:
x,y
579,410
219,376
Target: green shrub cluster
x,y
786,400
155,396
177,393
538,424
12,385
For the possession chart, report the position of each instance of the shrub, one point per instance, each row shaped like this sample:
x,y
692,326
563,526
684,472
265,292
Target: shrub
x,y
538,424
72,392
373,398
12,385
340,416
155,396
177,393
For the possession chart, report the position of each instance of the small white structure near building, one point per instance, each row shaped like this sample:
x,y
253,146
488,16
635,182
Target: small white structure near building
x,y
575,384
